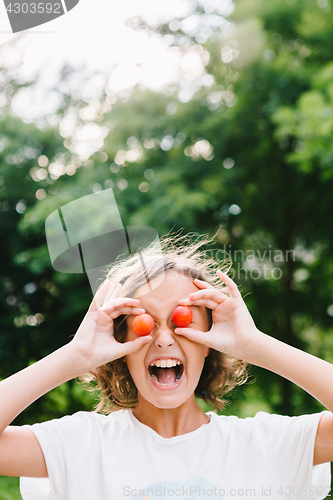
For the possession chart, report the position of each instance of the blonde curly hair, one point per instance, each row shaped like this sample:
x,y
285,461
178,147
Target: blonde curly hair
x,y
181,254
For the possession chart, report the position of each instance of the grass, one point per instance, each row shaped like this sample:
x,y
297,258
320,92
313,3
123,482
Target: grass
x,y
9,488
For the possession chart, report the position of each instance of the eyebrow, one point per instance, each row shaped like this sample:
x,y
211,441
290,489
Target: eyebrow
x,y
147,310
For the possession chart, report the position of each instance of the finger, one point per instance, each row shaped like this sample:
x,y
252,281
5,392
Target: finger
x,y
125,311
232,287
194,335
211,304
212,293
202,284
211,296
113,304
98,299
134,345
115,293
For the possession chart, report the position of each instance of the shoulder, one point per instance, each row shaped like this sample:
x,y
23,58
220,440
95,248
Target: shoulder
x,y
308,438
234,420
82,422
116,418
265,417
323,451
266,425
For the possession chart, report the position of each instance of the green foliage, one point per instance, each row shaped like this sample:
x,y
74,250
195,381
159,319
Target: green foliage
x,y
250,153
9,488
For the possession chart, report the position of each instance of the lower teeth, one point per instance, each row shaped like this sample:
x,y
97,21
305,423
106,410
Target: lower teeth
x,y
155,380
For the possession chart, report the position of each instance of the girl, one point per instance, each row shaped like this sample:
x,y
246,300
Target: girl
x,y
159,444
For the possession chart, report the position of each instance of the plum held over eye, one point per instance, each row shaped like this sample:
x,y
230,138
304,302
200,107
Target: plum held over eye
x,y
182,316
142,324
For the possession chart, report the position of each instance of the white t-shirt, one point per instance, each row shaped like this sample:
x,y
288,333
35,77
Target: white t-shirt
x,y
116,457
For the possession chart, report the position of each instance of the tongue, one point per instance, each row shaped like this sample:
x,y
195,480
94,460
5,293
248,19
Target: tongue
x,y
166,375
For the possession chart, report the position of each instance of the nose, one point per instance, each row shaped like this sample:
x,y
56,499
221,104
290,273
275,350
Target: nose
x,y
164,337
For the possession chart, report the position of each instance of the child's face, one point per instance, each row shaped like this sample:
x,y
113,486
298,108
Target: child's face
x,y
167,387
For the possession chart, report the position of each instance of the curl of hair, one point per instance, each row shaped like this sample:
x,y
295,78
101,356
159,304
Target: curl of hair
x,y
174,253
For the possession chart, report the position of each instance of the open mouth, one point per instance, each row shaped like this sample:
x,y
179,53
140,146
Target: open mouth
x,y
166,372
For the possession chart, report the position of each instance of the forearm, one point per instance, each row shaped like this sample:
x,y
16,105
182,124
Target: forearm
x,y
20,390
312,374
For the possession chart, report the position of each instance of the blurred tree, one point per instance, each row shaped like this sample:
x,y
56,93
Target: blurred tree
x,y
243,142
28,292
270,136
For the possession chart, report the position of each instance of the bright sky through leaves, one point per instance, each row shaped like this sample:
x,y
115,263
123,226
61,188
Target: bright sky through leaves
x,y
100,39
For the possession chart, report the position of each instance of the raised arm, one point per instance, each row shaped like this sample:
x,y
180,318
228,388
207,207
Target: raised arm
x,y
234,333
92,346
20,453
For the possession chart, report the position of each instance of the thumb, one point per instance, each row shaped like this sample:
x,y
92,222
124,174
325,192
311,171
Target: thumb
x,y
194,335
134,345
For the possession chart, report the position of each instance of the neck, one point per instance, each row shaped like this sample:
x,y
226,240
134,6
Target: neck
x,y
170,422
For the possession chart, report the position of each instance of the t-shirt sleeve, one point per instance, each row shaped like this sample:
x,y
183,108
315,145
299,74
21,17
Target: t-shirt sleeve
x,y
63,442
288,444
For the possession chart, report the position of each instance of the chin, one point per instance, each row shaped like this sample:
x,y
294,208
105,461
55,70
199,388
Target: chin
x,y
166,400
168,405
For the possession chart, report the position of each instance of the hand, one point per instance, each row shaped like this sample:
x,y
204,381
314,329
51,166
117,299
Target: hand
x,y
94,340
233,328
